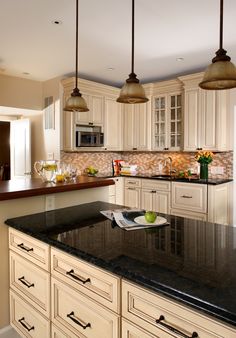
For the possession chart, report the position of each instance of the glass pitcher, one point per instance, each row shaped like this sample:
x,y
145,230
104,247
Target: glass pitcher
x,y
46,169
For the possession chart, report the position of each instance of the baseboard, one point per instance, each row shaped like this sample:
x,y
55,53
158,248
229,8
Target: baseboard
x,y
5,329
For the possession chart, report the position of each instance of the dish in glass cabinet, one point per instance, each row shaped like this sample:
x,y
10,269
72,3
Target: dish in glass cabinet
x,y
142,221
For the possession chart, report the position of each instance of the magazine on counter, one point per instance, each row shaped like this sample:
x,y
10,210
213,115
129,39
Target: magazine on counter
x,y
132,219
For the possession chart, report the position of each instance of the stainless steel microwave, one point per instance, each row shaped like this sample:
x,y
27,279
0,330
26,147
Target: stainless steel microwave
x,y
89,139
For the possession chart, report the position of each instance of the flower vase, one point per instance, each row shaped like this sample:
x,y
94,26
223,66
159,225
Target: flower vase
x,y
204,171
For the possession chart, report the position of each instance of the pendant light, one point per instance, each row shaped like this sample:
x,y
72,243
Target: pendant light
x,y
76,103
221,74
132,91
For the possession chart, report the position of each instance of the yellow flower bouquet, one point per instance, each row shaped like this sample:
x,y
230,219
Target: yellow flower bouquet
x,y
204,156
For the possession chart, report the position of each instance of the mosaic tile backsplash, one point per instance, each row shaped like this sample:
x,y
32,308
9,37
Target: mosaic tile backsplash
x,y
149,163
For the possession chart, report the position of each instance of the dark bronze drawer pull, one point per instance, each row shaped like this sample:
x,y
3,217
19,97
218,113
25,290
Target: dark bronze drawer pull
x,y
153,191
171,328
24,325
73,275
24,247
23,281
186,196
76,320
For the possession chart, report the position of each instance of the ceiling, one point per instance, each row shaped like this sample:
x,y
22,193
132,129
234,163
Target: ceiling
x,y
164,31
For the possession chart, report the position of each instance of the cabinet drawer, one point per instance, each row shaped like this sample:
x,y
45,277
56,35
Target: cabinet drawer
x,y
189,214
95,283
133,182
143,308
26,320
72,311
129,330
32,281
30,248
189,196
58,333
156,185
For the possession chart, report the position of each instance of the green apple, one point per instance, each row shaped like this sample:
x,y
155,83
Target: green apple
x,y
150,216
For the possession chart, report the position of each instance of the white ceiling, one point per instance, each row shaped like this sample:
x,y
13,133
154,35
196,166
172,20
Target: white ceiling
x,y
164,31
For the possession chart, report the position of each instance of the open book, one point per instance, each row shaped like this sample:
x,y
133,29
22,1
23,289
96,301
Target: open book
x,y
132,219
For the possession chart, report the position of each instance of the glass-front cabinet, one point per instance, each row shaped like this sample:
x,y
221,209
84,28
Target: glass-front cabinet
x,y
167,117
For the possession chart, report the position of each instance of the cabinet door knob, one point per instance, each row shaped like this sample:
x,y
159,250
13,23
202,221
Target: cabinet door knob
x,y
186,196
91,123
73,275
135,148
173,329
199,148
166,148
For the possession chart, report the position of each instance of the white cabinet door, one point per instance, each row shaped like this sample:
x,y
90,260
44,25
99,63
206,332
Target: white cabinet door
x,y
167,122
95,114
129,127
132,197
208,121
147,199
191,116
161,202
136,127
113,125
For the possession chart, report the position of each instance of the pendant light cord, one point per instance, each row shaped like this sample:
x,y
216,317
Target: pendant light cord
x,y
76,46
221,23
132,53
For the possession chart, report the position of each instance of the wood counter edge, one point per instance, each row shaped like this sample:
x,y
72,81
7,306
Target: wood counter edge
x,y
56,188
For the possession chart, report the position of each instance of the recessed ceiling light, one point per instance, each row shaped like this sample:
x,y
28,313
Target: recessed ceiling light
x,y
180,59
26,73
110,68
57,22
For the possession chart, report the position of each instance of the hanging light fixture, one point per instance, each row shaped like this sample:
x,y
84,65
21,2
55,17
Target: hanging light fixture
x,y
132,91
221,74
76,102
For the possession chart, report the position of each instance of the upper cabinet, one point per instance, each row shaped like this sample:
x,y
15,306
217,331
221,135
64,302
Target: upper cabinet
x,y
207,117
113,124
96,110
167,116
137,126
104,111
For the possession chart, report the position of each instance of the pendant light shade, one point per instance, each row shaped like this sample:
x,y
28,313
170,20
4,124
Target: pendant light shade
x,y
132,91
76,103
221,74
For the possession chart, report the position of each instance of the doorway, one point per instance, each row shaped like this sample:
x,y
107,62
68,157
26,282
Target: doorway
x,y
4,150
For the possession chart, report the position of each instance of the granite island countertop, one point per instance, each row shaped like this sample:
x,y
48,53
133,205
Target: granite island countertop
x,y
191,261
28,187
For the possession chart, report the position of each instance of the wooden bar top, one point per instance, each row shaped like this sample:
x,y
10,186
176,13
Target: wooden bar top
x,y
27,187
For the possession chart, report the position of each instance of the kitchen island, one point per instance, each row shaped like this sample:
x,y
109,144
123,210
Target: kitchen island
x,y
188,264
27,196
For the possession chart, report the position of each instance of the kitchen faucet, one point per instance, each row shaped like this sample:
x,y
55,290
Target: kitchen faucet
x,y
166,160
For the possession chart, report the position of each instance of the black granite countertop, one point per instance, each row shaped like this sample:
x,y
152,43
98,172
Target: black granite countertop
x,y
210,181
191,261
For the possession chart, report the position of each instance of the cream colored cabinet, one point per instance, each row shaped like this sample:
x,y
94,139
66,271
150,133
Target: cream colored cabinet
x,y
207,117
29,285
94,116
74,312
113,131
130,330
165,318
95,283
155,195
167,116
210,203
132,193
116,191
136,126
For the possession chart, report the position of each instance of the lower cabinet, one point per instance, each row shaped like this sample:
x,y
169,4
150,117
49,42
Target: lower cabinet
x,y
155,195
73,311
132,195
165,318
27,321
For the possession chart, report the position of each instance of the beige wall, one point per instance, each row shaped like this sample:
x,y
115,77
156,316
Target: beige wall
x,y
52,137
20,93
